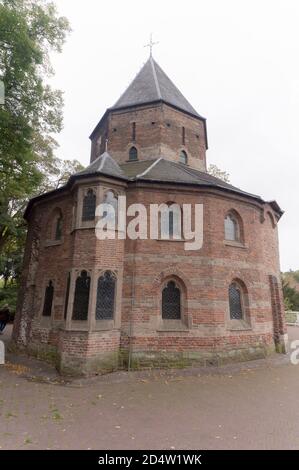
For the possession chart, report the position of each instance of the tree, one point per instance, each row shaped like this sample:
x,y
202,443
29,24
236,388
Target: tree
x,y
32,112
290,295
215,171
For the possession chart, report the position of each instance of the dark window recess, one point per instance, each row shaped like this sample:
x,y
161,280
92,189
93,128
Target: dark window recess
x,y
134,131
106,296
183,157
183,136
235,303
153,123
133,154
89,206
171,302
67,294
58,228
81,298
168,124
49,294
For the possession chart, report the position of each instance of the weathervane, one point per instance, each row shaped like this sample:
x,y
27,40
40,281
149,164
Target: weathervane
x,y
151,44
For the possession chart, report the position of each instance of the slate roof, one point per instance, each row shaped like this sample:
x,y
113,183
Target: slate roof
x,y
152,84
104,164
157,170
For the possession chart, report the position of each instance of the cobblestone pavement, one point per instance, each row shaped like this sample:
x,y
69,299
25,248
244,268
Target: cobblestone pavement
x,y
245,406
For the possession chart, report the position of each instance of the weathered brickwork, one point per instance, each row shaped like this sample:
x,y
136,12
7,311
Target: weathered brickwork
x,y
136,334
158,133
205,334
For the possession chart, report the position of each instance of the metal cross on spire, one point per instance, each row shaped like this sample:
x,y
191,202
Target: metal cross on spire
x,y
151,44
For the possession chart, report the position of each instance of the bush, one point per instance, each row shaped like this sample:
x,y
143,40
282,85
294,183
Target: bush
x,y
8,296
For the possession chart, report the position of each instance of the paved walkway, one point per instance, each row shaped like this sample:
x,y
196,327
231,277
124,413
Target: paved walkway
x,y
247,406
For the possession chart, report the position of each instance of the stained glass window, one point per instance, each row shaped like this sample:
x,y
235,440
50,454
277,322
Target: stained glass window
x,y
171,302
89,206
235,302
81,298
48,301
106,296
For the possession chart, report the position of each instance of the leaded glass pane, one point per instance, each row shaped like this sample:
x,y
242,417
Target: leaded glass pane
x,y
171,302
48,301
89,206
235,303
58,231
81,298
231,228
106,296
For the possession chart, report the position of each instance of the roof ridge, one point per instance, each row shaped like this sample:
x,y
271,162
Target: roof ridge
x,y
155,78
149,168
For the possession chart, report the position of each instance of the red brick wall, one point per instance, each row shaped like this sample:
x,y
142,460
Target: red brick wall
x,y
205,276
158,134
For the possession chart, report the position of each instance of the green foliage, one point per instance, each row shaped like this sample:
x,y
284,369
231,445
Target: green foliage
x,y
8,296
29,31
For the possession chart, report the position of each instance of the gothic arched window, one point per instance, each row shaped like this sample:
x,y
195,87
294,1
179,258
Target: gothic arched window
x,y
171,221
231,228
235,302
81,297
89,206
133,154
58,228
106,296
67,294
48,301
183,157
171,302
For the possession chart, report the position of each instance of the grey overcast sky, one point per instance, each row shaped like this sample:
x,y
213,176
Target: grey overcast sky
x,y
237,62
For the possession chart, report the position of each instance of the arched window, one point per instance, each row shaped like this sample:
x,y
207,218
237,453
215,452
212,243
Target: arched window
x,y
58,228
171,302
81,297
106,296
231,228
48,301
171,221
89,206
133,154
236,309
183,157
67,294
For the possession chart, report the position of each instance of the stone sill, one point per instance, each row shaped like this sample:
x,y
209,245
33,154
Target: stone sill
x,y
235,244
49,243
172,326
173,330
239,325
171,240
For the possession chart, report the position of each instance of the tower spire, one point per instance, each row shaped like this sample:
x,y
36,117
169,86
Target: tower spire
x,y
151,44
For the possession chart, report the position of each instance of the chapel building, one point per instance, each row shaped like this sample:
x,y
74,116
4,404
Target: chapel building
x,y
96,305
